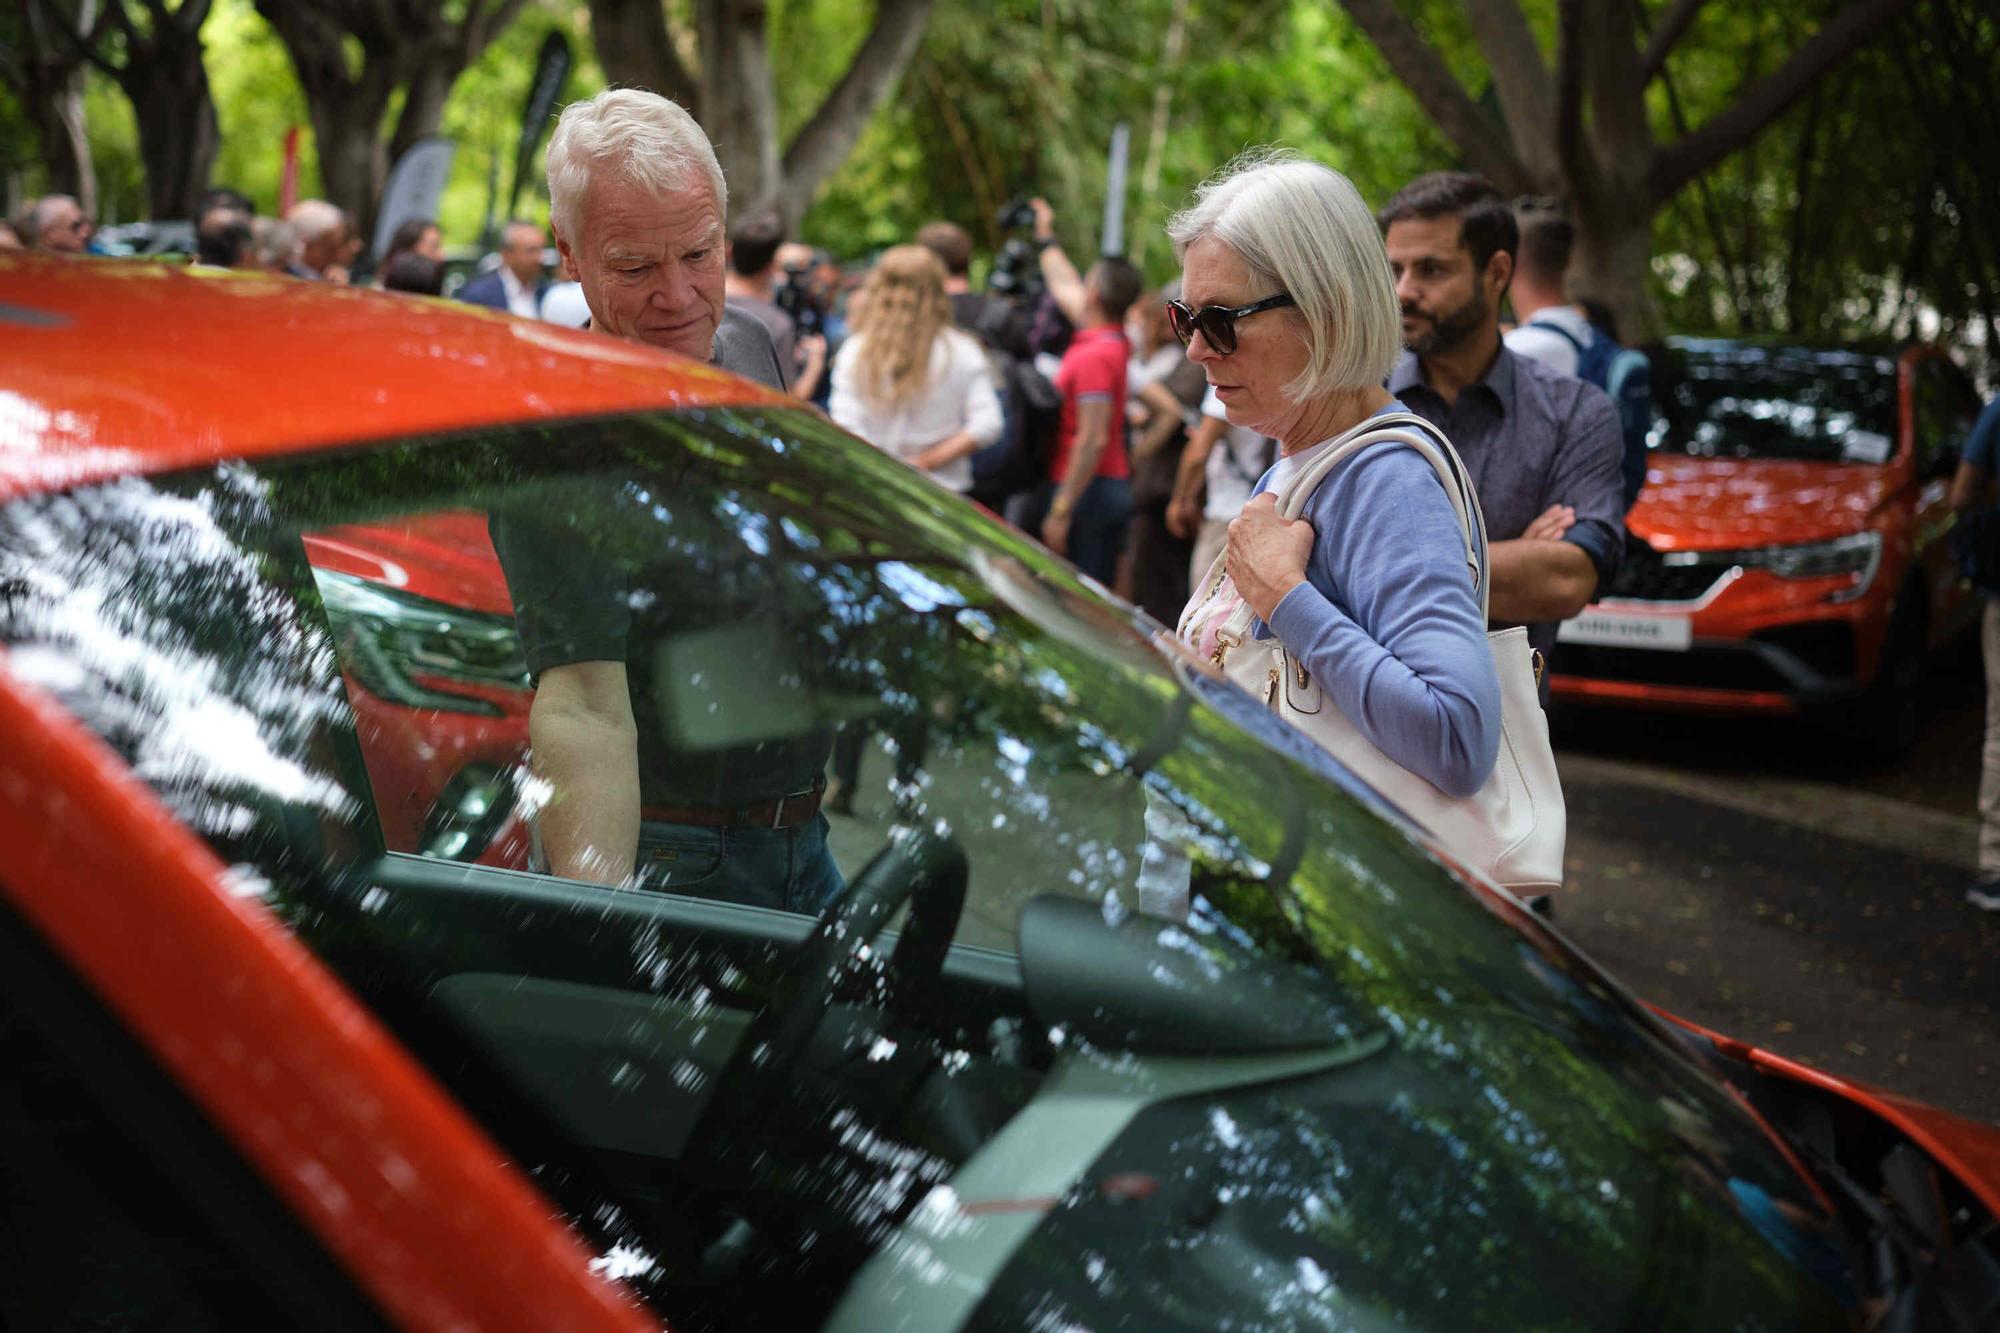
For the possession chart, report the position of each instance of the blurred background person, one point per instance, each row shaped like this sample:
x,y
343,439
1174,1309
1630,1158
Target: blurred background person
x,y
907,381
9,238
59,225
274,245
1215,478
322,235
415,273
1165,392
516,285
223,239
752,287
415,236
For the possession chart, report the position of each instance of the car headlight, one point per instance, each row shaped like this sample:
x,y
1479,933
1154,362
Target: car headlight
x,y
391,638
1859,554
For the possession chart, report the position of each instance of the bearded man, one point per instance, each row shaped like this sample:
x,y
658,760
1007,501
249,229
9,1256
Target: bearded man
x,y
1544,448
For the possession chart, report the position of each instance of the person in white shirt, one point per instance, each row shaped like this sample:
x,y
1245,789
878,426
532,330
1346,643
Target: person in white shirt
x,y
906,380
1540,302
1218,474
516,285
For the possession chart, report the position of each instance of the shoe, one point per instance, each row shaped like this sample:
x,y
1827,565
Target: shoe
x,y
1985,895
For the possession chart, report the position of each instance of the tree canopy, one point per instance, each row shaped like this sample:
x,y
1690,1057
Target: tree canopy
x,y
1860,207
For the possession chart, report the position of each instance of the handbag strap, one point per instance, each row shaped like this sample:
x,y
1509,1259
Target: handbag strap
x,y
1412,432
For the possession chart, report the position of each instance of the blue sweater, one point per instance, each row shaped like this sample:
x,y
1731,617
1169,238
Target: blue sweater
x,y
1387,622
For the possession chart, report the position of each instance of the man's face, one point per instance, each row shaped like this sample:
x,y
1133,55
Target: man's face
x,y
66,230
1445,301
651,265
325,250
522,254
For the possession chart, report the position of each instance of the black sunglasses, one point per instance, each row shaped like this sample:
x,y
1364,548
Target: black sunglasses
x,y
1217,323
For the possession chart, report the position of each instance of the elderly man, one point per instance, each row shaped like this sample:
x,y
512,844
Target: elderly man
x,y
517,285
321,229
60,225
637,203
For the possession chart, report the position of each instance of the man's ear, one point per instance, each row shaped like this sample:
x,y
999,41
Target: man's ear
x,y
568,259
1499,272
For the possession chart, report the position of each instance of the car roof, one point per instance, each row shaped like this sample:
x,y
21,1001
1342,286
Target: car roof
x,y
116,367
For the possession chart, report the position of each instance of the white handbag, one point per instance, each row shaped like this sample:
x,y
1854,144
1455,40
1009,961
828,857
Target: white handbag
x,y
1511,829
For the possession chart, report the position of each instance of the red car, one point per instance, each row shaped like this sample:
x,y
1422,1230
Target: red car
x,y
1788,553
1179,1024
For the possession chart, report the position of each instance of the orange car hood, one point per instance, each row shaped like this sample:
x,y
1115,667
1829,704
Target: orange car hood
x,y
1712,504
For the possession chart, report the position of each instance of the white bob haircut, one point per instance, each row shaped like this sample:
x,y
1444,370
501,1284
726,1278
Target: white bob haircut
x,y
645,138
1302,228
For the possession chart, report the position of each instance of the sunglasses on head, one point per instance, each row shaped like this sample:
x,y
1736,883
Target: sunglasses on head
x,y
1217,323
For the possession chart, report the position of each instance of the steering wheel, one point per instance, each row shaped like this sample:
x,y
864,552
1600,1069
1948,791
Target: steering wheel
x,y
923,866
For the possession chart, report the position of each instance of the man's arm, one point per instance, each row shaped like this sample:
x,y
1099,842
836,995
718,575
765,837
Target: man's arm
x,y
1185,505
1093,421
585,745
1539,578
812,364
1536,579
1064,282
1972,484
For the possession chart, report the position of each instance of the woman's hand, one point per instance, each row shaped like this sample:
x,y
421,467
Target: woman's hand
x,y
1267,554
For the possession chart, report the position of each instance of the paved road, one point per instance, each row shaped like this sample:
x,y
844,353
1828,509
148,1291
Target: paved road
x,y
1758,879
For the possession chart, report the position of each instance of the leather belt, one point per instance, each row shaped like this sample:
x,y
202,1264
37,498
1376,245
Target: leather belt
x,y
787,811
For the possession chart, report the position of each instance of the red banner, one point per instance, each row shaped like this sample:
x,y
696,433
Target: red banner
x,y
288,179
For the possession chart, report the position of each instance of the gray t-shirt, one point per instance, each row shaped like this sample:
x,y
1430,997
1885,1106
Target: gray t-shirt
x,y
776,323
743,347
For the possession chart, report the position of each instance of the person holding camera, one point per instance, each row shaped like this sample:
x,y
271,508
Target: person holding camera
x,y
906,380
750,286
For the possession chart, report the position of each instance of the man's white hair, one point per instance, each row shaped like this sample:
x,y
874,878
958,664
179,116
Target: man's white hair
x,y
46,208
645,138
1302,228
311,219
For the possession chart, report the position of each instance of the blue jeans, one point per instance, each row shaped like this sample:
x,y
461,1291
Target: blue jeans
x,y
790,869
1097,525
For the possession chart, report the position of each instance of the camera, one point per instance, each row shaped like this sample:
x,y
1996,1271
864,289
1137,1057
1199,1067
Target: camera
x,y
1014,215
1017,272
796,297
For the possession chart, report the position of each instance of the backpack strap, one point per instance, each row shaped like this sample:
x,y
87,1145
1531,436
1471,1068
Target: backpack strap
x,y
1560,332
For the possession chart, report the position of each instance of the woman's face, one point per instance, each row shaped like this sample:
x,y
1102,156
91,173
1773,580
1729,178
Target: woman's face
x,y
1270,346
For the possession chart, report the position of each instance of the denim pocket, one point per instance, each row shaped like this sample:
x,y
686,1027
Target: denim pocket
x,y
678,858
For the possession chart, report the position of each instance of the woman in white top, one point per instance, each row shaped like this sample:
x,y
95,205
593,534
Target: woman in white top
x,y
906,380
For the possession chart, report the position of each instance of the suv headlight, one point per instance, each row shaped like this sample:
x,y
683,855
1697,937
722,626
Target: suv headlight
x,y
1859,554
389,638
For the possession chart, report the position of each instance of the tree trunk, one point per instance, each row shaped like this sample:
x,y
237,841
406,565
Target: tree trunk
x,y
1612,263
167,84
61,135
636,50
739,108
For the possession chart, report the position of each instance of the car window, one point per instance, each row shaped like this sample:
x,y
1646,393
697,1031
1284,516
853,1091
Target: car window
x,y
1737,400
1143,943
1946,409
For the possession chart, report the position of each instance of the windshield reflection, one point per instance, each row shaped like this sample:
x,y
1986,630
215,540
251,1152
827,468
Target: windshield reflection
x,y
1168,1025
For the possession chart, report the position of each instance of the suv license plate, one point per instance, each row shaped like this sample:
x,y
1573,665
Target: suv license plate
x,y
1670,634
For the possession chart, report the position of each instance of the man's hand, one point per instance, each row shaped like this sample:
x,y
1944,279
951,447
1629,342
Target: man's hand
x,y
1055,532
1267,554
811,353
1045,218
1551,524
1184,516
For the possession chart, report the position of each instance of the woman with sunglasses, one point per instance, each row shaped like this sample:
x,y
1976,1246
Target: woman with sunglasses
x,y
1288,306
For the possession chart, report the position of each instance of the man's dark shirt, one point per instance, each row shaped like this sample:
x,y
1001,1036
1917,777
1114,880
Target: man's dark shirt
x,y
604,569
997,322
1533,437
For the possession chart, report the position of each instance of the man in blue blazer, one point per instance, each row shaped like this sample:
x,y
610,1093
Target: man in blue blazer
x,y
517,285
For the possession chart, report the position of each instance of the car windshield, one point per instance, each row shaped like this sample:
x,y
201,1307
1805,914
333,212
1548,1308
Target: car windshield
x,y
1170,1024
1741,400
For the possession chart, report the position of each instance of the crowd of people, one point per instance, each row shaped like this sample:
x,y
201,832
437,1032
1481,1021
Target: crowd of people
x,y
1145,435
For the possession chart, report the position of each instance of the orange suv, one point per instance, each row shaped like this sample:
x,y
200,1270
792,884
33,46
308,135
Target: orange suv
x,y
1789,548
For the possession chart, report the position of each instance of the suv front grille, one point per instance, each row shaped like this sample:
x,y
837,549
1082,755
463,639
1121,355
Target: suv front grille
x,y
1644,577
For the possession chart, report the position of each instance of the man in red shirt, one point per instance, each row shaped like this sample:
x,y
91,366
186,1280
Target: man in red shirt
x,y
1089,494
